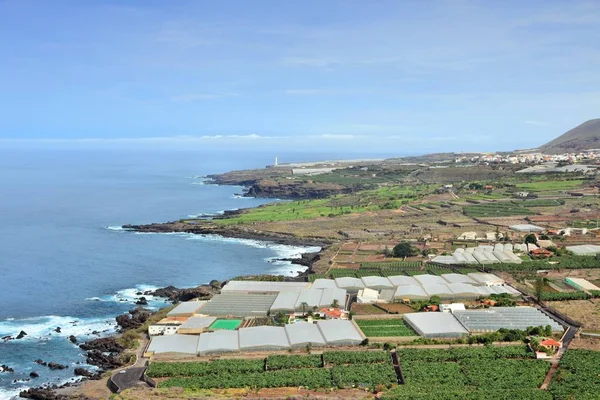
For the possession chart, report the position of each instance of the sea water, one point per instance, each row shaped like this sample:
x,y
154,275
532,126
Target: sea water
x,y
64,261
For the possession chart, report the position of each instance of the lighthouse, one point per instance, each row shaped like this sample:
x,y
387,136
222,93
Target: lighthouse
x,y
276,164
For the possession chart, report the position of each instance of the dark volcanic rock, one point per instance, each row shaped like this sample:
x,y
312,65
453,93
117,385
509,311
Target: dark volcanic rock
x,y
102,360
41,362
176,295
7,338
73,339
34,374
104,345
21,335
53,365
42,394
134,319
142,301
57,330
84,372
6,368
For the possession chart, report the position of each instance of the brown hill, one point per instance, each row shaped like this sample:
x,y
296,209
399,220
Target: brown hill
x,y
583,137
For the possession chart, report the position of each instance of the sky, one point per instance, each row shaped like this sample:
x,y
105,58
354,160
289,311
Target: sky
x,y
362,76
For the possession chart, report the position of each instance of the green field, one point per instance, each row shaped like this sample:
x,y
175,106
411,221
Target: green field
x,y
227,324
505,209
478,373
577,376
359,273
385,328
391,265
331,369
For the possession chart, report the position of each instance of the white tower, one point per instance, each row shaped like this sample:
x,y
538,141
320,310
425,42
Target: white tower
x,y
276,161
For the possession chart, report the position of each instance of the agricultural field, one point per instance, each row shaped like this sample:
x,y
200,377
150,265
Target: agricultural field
x,y
505,209
331,369
539,203
391,265
385,328
547,186
478,373
577,376
359,273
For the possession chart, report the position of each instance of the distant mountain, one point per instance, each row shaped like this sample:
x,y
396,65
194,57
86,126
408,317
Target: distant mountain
x,y
583,137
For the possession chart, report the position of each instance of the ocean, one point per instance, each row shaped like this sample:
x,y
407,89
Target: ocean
x,y
65,262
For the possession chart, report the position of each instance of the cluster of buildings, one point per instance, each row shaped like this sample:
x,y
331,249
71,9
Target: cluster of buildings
x,y
530,158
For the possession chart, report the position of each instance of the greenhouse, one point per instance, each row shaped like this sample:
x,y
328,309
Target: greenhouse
x,y
352,285
186,309
302,334
377,282
263,287
196,325
464,290
486,279
436,325
308,299
457,278
182,344
331,295
260,338
402,280
340,332
584,250
222,341
581,284
427,279
285,302
526,228
324,284
412,292
492,319
239,305
441,290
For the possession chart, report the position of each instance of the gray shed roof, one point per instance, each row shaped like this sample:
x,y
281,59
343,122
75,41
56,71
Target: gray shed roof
x,y
218,342
411,292
337,331
198,322
329,295
263,337
349,283
435,325
264,287
485,278
301,334
324,284
492,319
376,282
285,301
441,290
402,280
186,308
457,278
239,305
311,297
186,344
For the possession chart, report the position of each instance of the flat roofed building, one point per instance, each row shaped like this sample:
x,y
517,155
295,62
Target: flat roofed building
x,y
323,284
285,302
377,282
302,334
164,328
436,325
351,285
264,287
177,344
263,338
186,309
239,305
412,292
196,325
340,332
222,341
492,319
401,280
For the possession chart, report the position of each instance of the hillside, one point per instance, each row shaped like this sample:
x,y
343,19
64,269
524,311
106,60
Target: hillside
x,y
583,137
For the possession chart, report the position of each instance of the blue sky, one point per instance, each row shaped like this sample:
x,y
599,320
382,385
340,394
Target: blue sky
x,y
364,76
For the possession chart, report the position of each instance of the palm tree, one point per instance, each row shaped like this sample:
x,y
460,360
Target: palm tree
x,y
304,305
335,303
540,282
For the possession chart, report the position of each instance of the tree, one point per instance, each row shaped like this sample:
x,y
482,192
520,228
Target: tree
x,y
405,249
540,282
531,238
335,303
304,305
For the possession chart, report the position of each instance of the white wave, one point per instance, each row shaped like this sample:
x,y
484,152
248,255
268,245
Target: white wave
x,y
130,295
13,394
237,196
116,228
43,328
94,299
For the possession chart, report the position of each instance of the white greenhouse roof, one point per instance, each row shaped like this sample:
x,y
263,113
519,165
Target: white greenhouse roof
x,y
239,304
264,287
457,278
349,283
285,301
427,279
435,325
376,282
329,295
263,337
463,290
492,319
401,280
526,228
311,297
485,278
301,334
185,344
198,322
220,341
186,308
412,292
441,290
337,331
323,284
584,249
